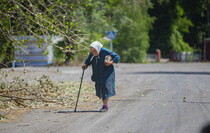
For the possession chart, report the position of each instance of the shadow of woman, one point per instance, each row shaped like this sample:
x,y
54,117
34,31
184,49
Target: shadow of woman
x,y
89,111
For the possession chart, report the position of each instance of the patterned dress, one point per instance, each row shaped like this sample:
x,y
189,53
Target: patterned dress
x,y
103,76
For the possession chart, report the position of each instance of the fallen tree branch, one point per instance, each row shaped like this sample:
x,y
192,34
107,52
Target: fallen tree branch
x,y
12,90
17,97
14,98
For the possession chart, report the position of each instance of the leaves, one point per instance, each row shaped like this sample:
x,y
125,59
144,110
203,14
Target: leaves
x,y
25,18
43,92
178,26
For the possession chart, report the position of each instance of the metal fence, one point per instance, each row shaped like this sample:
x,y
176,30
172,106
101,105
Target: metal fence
x,y
187,57
151,58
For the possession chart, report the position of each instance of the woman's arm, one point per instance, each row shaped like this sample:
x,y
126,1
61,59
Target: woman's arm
x,y
87,61
115,57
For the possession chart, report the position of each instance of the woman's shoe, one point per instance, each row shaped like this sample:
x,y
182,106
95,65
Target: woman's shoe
x,y
104,108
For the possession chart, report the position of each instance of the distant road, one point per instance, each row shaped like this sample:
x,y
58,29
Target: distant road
x,y
151,98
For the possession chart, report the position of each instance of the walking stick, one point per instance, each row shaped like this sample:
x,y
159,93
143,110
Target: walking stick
x,y
79,90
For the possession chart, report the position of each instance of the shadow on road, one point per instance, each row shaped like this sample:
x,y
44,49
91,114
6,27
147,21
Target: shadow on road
x,y
90,111
199,102
206,128
171,72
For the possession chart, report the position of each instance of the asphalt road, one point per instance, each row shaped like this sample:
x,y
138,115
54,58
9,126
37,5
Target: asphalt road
x,y
151,98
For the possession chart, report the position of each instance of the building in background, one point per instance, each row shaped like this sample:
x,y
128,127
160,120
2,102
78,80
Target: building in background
x,y
32,55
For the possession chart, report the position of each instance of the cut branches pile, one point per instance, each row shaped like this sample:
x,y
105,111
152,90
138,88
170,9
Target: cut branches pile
x,y
19,93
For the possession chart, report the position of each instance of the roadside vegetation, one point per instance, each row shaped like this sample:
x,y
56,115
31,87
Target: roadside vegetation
x,y
23,92
141,26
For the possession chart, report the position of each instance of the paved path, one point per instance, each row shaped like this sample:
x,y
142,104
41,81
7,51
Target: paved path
x,y
151,98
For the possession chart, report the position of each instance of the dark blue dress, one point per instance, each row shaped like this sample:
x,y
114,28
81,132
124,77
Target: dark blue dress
x,y
103,76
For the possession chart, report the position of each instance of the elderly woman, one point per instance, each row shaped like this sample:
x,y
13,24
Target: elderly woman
x,y
103,72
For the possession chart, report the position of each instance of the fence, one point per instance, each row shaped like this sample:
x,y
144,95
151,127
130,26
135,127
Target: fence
x,y
187,57
151,58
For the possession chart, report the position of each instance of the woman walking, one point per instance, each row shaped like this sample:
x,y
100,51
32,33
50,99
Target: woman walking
x,y
103,71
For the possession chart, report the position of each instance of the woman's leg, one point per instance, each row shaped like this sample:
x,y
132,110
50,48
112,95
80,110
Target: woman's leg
x,y
105,102
105,105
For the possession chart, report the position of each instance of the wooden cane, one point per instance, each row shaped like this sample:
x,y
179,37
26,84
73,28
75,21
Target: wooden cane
x,y
79,90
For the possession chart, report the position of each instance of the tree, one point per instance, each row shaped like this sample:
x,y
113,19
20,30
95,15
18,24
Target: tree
x,y
178,28
132,23
179,25
129,19
37,17
196,11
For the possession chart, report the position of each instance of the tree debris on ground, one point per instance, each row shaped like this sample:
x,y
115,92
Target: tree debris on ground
x,y
19,93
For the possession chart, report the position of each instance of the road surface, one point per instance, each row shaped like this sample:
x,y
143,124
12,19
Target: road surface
x,y
151,98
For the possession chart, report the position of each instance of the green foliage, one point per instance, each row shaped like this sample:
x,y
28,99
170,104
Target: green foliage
x,y
177,42
197,13
141,26
179,25
92,21
130,21
36,18
133,24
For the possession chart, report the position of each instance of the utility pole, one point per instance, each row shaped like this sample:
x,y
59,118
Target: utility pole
x,y
111,45
111,36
